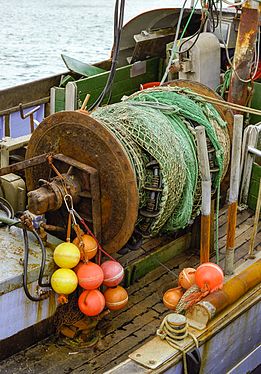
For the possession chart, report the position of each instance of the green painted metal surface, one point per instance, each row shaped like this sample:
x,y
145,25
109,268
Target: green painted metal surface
x,y
254,186
151,261
256,102
123,84
59,99
80,67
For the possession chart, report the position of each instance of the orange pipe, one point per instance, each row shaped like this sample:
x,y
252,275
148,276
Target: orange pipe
x,y
231,225
205,239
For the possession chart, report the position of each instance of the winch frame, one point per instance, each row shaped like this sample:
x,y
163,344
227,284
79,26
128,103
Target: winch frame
x,y
91,187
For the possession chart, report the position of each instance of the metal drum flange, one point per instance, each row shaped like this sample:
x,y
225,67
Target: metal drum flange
x,y
75,134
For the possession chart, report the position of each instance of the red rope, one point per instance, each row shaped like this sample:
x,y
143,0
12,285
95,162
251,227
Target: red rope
x,y
99,246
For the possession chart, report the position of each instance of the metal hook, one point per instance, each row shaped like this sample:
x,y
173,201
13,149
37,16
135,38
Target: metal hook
x,y
69,206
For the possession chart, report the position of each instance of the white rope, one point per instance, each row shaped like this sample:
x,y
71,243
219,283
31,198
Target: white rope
x,y
174,47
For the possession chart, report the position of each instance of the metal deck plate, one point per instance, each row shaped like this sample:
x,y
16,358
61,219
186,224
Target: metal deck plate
x,y
156,352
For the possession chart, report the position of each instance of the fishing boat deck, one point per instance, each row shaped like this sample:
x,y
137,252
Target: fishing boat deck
x,y
124,331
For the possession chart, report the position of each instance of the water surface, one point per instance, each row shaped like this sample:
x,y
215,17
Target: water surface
x,y
34,33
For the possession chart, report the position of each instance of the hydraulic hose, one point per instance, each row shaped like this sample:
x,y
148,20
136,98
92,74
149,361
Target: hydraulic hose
x,y
41,274
118,23
9,220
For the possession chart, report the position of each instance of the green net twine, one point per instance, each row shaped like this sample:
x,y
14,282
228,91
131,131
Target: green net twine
x,y
159,123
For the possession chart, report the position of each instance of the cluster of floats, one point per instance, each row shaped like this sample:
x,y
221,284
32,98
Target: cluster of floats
x,y
97,179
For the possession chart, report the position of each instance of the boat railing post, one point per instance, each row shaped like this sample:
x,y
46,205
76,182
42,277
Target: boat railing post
x,y
206,194
233,193
255,227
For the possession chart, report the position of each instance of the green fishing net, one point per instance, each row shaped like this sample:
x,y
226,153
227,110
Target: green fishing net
x,y
160,124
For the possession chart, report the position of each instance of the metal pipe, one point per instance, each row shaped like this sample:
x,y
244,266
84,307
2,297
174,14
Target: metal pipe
x,y
255,151
206,194
233,193
249,141
13,109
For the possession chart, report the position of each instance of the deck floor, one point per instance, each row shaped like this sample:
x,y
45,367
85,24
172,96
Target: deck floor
x,y
124,331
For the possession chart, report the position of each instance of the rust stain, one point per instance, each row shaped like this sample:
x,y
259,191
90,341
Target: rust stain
x,y
238,92
51,304
39,316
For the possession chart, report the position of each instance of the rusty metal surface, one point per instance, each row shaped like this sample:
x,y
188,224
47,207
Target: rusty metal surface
x,y
49,196
91,189
76,135
244,53
23,164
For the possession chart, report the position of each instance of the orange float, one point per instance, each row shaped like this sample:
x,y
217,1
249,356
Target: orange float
x,y
113,273
187,278
116,298
90,245
172,297
91,302
209,277
90,276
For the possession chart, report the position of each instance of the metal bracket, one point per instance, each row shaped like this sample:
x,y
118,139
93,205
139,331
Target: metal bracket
x,y
29,114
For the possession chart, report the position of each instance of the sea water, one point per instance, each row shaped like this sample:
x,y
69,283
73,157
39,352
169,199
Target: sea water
x,y
34,34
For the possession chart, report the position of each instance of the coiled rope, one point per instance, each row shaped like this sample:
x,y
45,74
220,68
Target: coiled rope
x,y
156,128
174,329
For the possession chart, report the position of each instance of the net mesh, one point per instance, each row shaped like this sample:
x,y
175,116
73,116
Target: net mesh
x,y
159,124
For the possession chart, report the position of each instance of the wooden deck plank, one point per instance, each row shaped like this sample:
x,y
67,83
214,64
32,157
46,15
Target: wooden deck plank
x,y
123,330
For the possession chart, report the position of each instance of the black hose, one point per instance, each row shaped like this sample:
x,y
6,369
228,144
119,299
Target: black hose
x,y
118,23
197,33
26,256
8,209
43,261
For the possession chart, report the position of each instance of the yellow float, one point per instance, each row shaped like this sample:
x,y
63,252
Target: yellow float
x,y
66,255
64,281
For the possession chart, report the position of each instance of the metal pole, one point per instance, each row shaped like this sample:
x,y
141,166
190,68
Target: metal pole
x,y
244,53
206,194
233,193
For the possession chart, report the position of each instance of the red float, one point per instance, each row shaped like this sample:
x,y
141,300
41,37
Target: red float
x,y
91,303
113,273
90,276
77,267
116,298
209,277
